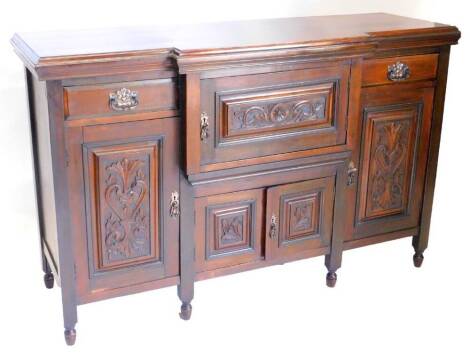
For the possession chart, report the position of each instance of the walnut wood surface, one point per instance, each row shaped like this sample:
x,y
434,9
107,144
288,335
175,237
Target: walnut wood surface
x,y
51,54
246,144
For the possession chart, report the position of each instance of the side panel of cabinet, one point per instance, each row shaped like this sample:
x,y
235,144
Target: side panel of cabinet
x,y
299,217
395,139
129,173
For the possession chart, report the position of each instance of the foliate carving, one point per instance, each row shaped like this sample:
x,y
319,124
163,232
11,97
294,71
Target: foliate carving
x,y
278,114
231,230
389,165
126,224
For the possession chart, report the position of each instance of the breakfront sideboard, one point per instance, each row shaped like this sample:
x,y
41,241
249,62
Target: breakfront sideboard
x,y
167,155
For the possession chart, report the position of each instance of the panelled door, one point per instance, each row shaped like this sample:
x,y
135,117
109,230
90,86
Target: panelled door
x,y
394,148
299,218
131,181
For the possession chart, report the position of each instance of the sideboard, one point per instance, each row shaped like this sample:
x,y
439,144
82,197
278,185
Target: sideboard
x,y
168,155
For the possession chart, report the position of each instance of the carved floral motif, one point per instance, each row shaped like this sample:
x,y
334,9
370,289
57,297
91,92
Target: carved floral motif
x,y
302,216
127,234
389,163
231,230
278,114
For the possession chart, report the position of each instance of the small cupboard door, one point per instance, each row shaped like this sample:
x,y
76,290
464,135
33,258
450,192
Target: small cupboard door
x,y
395,139
299,218
229,229
130,177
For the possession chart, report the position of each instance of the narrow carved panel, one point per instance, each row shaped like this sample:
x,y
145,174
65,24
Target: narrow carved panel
x,y
124,201
301,214
389,149
268,111
230,228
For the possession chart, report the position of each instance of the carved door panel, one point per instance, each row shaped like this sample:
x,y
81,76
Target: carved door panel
x,y
130,176
259,115
299,218
228,229
395,138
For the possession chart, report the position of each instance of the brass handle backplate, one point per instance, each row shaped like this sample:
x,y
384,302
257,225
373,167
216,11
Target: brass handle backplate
x,y
175,204
273,227
352,173
204,126
398,71
123,99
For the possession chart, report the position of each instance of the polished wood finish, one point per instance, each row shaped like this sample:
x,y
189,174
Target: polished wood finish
x,y
92,101
173,154
421,67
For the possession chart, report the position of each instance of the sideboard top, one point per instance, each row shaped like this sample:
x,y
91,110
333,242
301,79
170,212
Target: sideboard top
x,y
48,49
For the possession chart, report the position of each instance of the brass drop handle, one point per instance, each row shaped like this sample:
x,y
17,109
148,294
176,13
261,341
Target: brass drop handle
x,y
398,71
273,227
204,126
175,204
352,173
123,99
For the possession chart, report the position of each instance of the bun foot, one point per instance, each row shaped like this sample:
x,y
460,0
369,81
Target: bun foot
x,y
70,336
331,279
49,280
186,310
418,259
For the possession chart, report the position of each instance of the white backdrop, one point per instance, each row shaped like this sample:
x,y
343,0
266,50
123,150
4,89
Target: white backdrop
x,y
381,302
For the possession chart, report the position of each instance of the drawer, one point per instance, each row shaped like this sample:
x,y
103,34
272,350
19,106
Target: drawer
x,y
259,115
120,98
399,69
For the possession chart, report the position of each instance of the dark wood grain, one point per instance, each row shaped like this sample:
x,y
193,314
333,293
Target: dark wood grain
x,y
167,155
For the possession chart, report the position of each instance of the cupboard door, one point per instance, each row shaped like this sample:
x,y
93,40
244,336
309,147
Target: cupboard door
x,y
395,138
228,229
299,218
130,175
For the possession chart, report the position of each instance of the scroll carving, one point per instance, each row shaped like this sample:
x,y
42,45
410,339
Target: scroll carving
x,y
278,114
389,165
126,224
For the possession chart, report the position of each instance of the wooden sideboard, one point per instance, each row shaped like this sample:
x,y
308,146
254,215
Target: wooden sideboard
x,y
168,155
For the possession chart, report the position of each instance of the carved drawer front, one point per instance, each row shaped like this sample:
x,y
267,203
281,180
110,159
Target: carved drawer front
x,y
299,218
228,229
119,98
131,172
260,115
399,69
395,137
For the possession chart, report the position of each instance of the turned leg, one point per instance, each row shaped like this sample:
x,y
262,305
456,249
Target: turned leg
x,y
332,263
331,279
420,243
70,336
186,286
418,258
48,276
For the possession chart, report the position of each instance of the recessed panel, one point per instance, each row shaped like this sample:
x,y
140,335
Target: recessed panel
x,y
124,190
301,216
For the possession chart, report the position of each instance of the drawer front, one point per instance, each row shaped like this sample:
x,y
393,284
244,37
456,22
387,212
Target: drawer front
x,y
228,229
395,141
260,115
120,98
299,217
399,69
